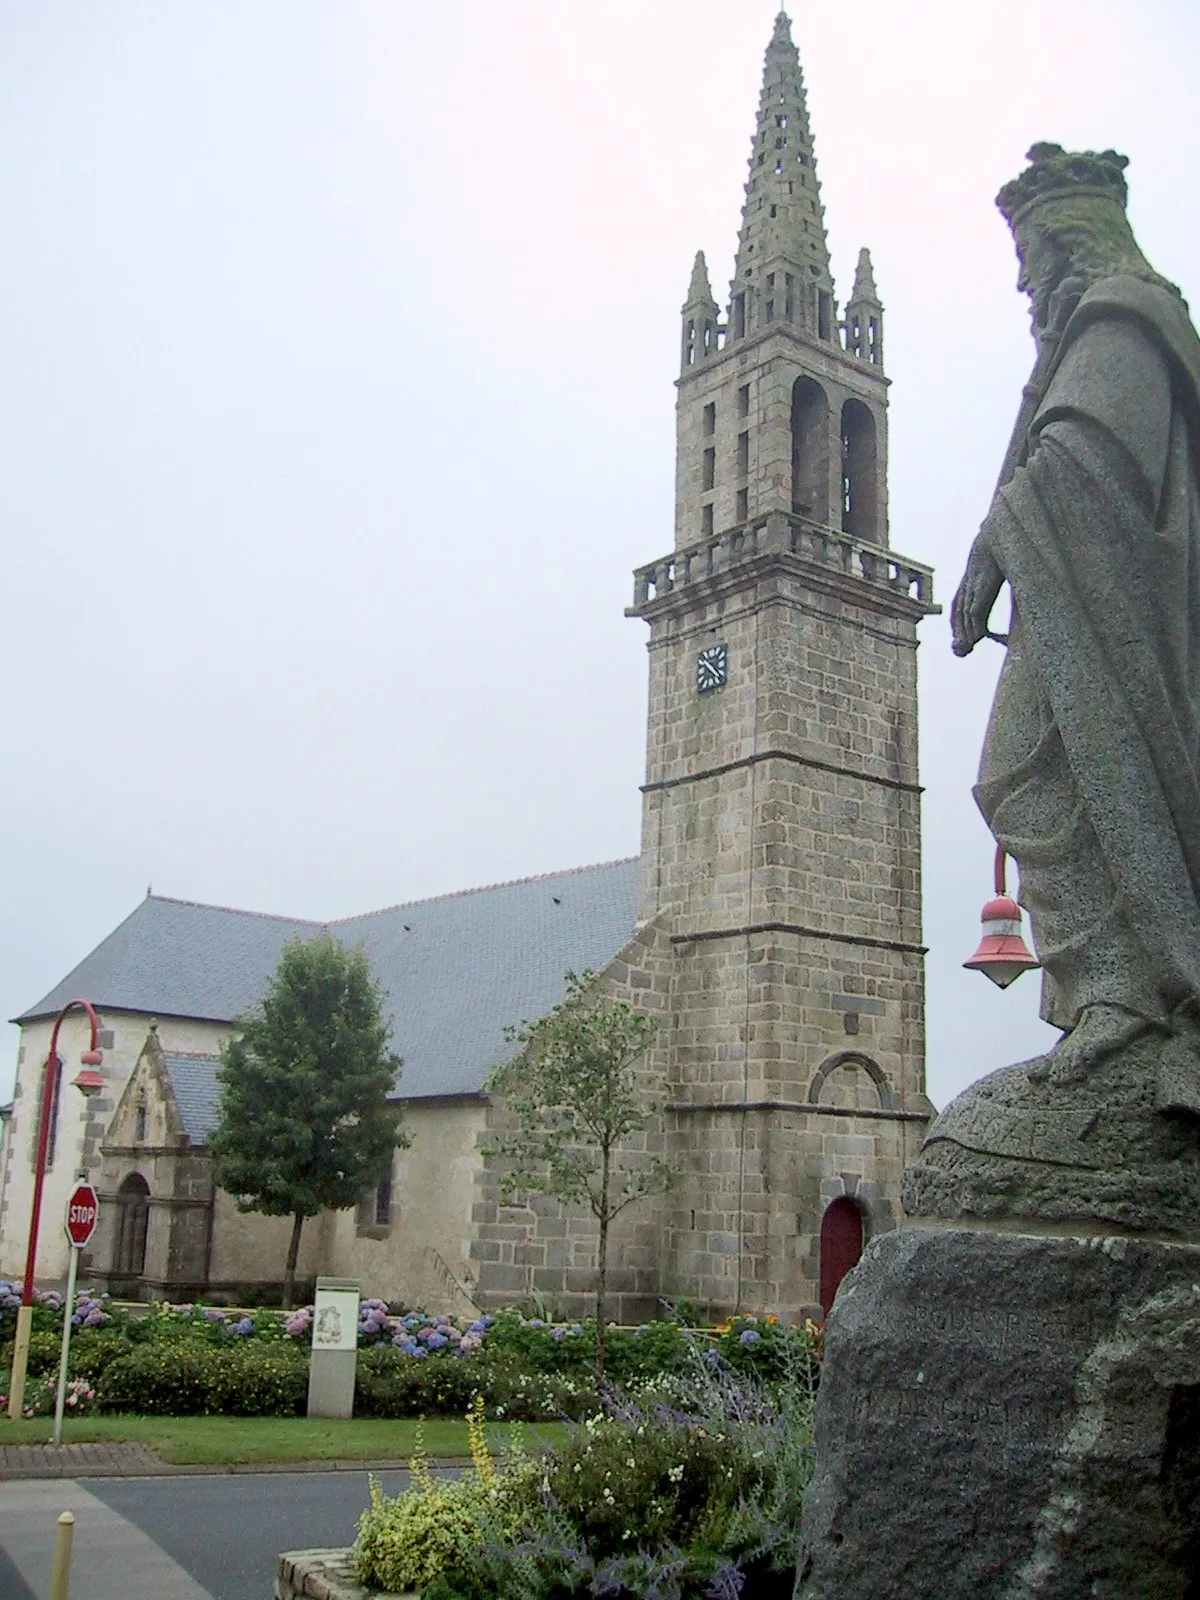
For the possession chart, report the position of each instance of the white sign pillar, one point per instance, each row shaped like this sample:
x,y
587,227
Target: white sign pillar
x,y
334,1348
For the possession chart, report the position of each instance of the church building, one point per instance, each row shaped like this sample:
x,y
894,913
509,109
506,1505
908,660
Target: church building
x,y
772,923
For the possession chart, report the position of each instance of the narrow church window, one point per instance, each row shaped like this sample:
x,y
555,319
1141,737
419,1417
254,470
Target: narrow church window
x,y
774,211
789,188
744,400
710,418
789,296
706,521
810,450
872,340
139,1122
52,1135
779,166
824,315
739,315
383,1202
743,505
689,344
743,454
710,469
858,471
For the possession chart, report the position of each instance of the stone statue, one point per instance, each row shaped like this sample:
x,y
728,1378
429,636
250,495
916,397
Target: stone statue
x,y
1023,1355
1090,775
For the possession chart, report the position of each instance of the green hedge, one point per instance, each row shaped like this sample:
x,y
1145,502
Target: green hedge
x,y
201,1379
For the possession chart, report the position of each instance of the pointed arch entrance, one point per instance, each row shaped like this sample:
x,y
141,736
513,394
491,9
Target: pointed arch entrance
x,y
841,1245
133,1201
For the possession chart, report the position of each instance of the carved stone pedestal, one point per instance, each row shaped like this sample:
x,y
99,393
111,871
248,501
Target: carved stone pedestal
x,y
1009,1414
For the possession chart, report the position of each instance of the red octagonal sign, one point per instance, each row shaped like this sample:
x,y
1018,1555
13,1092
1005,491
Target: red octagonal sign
x,y
83,1212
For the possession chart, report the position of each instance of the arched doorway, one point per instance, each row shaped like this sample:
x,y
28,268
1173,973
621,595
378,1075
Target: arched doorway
x,y
133,1217
841,1245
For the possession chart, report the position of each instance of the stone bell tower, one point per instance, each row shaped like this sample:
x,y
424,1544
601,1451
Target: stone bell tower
x,y
781,827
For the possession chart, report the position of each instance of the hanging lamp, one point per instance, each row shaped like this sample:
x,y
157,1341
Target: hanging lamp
x,y
1003,954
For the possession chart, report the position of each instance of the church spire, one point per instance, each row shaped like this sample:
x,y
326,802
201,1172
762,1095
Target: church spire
x,y
782,269
701,315
864,315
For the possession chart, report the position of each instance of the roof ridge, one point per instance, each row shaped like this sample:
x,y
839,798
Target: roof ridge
x,y
234,911
484,888
190,1055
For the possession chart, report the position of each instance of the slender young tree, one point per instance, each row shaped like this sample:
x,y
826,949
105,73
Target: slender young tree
x,y
306,1123
576,1094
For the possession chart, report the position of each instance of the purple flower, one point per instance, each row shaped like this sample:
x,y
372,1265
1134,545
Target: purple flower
x,y
213,1315
436,1341
558,1333
750,1337
244,1326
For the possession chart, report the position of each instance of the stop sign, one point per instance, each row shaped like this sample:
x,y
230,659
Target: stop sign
x,y
83,1211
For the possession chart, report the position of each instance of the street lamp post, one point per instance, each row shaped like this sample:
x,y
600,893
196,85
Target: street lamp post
x,y
89,1082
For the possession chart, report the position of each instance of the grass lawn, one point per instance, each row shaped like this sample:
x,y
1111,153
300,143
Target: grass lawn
x,y
232,1441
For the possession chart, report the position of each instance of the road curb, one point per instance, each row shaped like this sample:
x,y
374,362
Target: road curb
x,y
22,1461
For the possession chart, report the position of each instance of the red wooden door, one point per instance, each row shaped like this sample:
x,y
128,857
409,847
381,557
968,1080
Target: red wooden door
x,y
841,1246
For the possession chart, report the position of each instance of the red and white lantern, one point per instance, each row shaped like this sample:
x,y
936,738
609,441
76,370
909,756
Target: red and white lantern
x,y
1003,954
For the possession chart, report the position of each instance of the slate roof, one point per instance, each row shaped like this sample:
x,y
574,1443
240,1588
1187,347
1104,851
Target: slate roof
x,y
456,970
194,1080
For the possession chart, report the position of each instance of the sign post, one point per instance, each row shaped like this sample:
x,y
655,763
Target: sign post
x,y
83,1212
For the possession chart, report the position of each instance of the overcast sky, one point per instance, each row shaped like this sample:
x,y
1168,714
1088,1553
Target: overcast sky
x,y
336,407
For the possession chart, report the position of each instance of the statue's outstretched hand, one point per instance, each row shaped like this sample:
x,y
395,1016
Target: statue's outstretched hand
x,y
977,594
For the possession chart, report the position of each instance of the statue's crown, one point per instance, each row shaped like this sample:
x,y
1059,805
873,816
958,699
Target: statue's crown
x,y
1054,172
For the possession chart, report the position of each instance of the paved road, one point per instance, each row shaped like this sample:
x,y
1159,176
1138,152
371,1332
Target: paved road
x,y
163,1538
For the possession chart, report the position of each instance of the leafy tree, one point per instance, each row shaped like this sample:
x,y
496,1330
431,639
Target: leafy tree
x,y
305,1120
576,1096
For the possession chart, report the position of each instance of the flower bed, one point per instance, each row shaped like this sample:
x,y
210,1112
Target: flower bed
x,y
691,1491
192,1359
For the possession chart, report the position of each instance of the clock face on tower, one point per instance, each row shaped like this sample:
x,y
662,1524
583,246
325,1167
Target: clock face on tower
x,y
711,668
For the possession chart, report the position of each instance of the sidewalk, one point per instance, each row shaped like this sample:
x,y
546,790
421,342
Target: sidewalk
x,y
115,1460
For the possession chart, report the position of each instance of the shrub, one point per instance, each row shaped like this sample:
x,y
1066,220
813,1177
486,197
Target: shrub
x,y
41,1398
771,1349
45,1349
189,1380
690,1500
626,1485
406,1542
390,1383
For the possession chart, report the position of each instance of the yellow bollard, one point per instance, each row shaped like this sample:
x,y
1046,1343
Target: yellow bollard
x,y
60,1567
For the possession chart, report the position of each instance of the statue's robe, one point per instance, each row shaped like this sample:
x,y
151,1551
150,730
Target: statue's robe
x,y
1090,775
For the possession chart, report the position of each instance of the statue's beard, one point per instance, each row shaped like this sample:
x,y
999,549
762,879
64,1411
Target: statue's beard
x,y
1052,307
